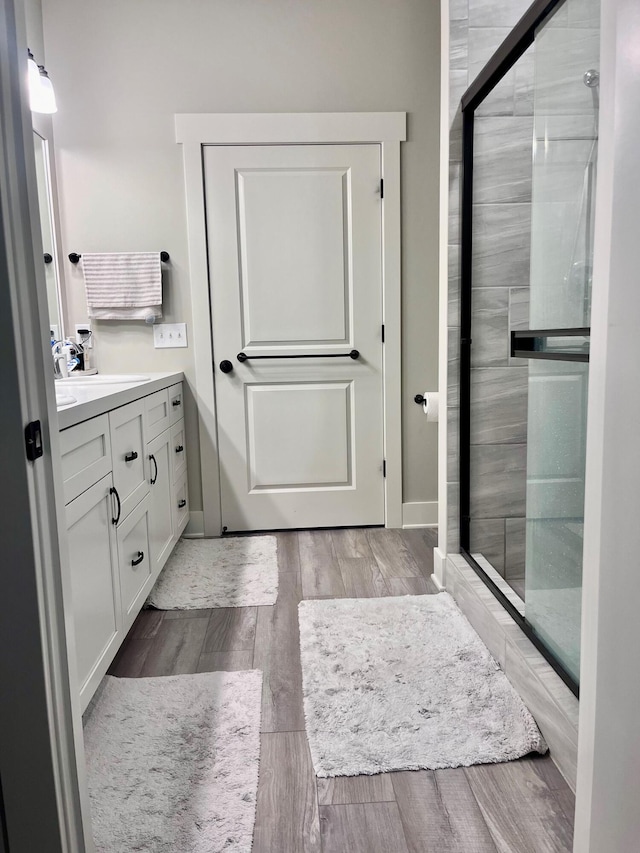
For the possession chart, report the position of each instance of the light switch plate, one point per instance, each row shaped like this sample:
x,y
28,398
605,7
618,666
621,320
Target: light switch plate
x,y
170,335
88,342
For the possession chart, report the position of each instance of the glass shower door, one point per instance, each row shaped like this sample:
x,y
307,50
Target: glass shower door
x,y
565,147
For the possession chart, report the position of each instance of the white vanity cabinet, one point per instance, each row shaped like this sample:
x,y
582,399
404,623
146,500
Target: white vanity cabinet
x,y
125,487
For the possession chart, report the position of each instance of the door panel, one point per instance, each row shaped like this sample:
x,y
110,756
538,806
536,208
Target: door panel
x,y
295,250
280,245
299,435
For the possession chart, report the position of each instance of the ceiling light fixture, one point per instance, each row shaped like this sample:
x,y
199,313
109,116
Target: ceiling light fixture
x,y
42,98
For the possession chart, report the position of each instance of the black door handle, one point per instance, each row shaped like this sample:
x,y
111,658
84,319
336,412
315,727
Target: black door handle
x,y
182,503
139,560
242,356
129,457
226,366
114,491
153,459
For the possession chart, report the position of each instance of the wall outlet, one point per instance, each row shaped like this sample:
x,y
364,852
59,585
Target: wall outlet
x,y
86,341
170,335
55,332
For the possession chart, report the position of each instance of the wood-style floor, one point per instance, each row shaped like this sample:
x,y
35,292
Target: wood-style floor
x,y
519,807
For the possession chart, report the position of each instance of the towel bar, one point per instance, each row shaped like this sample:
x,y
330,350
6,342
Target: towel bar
x,y
74,257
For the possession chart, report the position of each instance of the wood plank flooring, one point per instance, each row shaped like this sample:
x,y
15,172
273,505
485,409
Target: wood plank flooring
x,y
518,807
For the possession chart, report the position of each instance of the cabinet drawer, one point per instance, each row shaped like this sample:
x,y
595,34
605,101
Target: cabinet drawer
x,y
128,447
178,451
86,455
134,562
95,593
176,403
157,413
180,506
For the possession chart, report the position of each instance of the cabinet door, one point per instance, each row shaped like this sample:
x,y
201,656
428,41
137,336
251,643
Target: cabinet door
x,y
180,505
128,445
95,593
134,562
179,450
160,501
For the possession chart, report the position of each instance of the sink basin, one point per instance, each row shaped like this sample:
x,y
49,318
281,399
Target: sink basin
x,y
65,400
104,379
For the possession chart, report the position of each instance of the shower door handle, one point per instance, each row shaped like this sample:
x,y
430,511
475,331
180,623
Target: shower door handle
x,y
538,343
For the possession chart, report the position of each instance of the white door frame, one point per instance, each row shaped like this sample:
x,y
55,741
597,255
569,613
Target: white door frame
x,y
194,130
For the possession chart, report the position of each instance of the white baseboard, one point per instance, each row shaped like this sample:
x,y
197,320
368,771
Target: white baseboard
x,y
420,514
439,569
195,525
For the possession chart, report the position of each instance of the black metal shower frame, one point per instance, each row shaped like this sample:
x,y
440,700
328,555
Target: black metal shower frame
x,y
512,48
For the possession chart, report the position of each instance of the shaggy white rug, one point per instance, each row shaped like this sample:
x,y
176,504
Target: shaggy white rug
x,y
237,571
404,683
172,763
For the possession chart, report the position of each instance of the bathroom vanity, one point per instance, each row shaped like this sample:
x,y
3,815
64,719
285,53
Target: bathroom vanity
x,y
124,469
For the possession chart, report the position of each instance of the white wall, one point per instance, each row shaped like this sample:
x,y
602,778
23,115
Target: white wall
x,y
122,70
607,813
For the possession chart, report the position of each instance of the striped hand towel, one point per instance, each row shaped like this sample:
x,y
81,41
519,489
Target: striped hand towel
x,y
123,286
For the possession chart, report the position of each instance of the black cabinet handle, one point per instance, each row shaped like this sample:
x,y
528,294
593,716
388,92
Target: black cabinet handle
x,y
154,479
176,402
226,366
131,456
242,356
182,503
48,257
114,491
179,448
139,560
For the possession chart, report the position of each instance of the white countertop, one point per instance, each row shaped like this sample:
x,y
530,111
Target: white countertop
x,y
93,398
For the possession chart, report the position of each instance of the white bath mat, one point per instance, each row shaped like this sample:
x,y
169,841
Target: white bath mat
x,y
172,763
240,571
404,683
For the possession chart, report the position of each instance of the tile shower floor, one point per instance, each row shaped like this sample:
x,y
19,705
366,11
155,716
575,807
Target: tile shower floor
x,y
522,806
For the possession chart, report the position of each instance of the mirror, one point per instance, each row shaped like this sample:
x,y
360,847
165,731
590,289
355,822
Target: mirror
x,y
50,258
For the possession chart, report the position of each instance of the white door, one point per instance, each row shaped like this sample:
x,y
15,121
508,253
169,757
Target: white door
x,y
295,253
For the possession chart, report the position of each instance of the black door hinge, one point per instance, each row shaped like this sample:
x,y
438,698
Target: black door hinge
x,y
383,333
381,187
384,467
33,440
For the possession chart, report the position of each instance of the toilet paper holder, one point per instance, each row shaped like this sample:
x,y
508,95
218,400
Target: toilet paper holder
x,y
419,399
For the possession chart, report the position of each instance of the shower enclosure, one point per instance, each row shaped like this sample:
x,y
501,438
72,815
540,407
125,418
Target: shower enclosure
x,y
530,146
